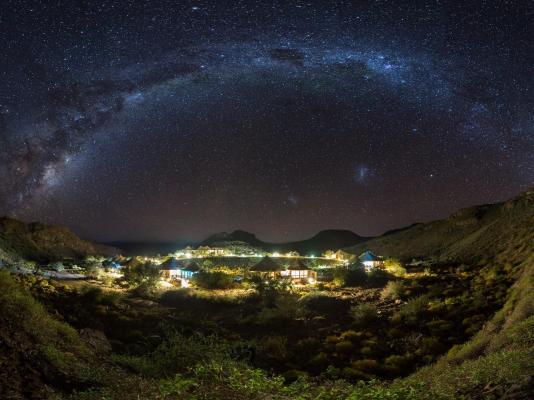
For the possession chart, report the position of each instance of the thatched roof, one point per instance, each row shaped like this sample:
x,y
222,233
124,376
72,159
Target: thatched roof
x,y
171,263
297,265
266,264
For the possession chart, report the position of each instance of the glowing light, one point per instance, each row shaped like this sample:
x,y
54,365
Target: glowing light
x,y
185,283
275,254
164,284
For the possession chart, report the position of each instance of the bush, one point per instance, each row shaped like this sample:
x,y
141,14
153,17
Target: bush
x,y
364,314
269,288
344,348
367,365
412,310
56,266
93,270
274,347
394,290
283,309
377,277
324,304
213,280
93,296
143,276
352,276
394,267
396,363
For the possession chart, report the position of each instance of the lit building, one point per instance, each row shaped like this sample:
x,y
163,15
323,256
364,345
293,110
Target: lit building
x,y
266,266
370,260
299,271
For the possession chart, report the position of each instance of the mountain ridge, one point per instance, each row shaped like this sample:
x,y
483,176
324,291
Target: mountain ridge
x,y
327,239
469,234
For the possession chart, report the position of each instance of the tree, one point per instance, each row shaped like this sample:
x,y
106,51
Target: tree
x,y
142,275
270,288
93,269
213,280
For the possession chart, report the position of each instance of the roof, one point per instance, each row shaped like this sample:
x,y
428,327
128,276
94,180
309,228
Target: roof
x,y
192,267
132,262
171,263
266,264
369,256
297,265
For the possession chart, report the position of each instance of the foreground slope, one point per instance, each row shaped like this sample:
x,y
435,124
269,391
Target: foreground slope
x,y
497,363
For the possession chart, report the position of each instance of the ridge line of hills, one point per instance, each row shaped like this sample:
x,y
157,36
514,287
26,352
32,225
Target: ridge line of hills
x,y
469,233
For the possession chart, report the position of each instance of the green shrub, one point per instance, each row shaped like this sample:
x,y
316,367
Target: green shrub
x,y
351,335
366,365
352,276
396,363
394,290
412,311
269,288
344,347
364,314
324,304
320,359
430,345
377,277
440,327
274,347
143,276
92,296
394,267
213,280
56,266
284,309
93,270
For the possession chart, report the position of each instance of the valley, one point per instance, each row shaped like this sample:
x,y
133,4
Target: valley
x,y
456,302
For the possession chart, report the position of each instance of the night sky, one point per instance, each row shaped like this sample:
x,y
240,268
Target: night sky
x,y
167,120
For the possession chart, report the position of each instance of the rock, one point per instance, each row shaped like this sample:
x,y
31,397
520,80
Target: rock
x,y
97,340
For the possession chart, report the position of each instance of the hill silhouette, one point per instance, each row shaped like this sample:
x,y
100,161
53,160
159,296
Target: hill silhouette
x,y
331,239
43,243
502,231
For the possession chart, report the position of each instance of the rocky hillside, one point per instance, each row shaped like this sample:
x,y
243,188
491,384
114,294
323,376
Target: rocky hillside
x,y
43,243
502,232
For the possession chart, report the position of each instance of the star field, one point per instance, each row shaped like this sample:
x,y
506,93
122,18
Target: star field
x,y
171,120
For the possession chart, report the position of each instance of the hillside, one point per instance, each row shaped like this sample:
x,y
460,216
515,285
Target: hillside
x,y
43,243
503,231
331,239
496,363
86,342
